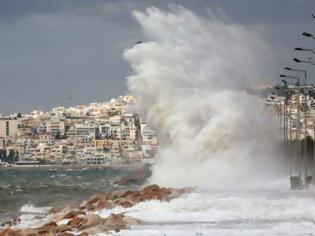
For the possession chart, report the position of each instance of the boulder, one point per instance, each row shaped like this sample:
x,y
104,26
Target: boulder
x,y
64,228
91,203
83,234
8,232
91,221
104,205
65,234
96,230
28,232
76,222
122,193
48,228
73,214
116,221
123,202
55,210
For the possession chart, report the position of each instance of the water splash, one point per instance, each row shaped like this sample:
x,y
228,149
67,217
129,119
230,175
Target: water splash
x,y
189,84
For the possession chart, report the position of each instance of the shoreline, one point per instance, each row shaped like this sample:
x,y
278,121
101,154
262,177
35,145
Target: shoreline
x,y
95,215
132,166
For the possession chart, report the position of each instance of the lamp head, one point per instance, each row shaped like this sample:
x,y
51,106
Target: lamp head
x,y
296,60
307,34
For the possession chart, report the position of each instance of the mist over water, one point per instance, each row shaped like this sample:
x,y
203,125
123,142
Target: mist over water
x,y
189,83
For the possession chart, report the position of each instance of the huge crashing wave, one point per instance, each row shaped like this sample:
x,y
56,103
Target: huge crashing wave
x,y
189,82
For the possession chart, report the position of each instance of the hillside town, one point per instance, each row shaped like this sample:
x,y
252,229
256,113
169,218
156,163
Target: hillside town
x,y
96,134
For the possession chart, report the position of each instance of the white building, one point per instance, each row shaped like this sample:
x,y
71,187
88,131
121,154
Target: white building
x,y
8,127
55,126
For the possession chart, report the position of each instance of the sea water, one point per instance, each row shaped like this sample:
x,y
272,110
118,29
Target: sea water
x,y
35,190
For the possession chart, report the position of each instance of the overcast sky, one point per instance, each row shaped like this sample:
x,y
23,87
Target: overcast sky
x,y
51,50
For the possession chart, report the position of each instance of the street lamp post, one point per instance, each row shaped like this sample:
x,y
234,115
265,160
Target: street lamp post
x,y
305,116
279,112
296,180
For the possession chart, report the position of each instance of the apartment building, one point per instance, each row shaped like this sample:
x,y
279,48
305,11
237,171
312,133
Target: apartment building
x,y
8,127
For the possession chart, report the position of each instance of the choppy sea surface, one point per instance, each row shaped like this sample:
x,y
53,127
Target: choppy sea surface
x,y
23,190
261,211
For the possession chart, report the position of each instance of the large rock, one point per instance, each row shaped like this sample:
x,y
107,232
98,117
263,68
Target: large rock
x,y
104,205
76,222
91,203
95,230
48,228
55,210
8,232
91,221
116,222
28,232
73,214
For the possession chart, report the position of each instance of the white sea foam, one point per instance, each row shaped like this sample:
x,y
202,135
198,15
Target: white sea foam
x,y
29,208
29,215
267,212
288,229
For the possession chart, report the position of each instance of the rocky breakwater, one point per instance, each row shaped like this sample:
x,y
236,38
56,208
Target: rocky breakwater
x,y
85,220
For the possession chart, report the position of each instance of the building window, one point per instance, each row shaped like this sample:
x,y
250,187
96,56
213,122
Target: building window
x,y
7,128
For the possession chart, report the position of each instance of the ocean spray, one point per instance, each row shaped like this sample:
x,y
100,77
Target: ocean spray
x,y
189,84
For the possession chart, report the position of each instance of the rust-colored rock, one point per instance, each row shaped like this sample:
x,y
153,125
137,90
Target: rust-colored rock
x,y
83,234
64,228
65,234
76,222
122,194
116,221
91,221
28,232
123,202
48,228
92,203
55,210
73,214
99,196
104,205
50,224
8,232
126,204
